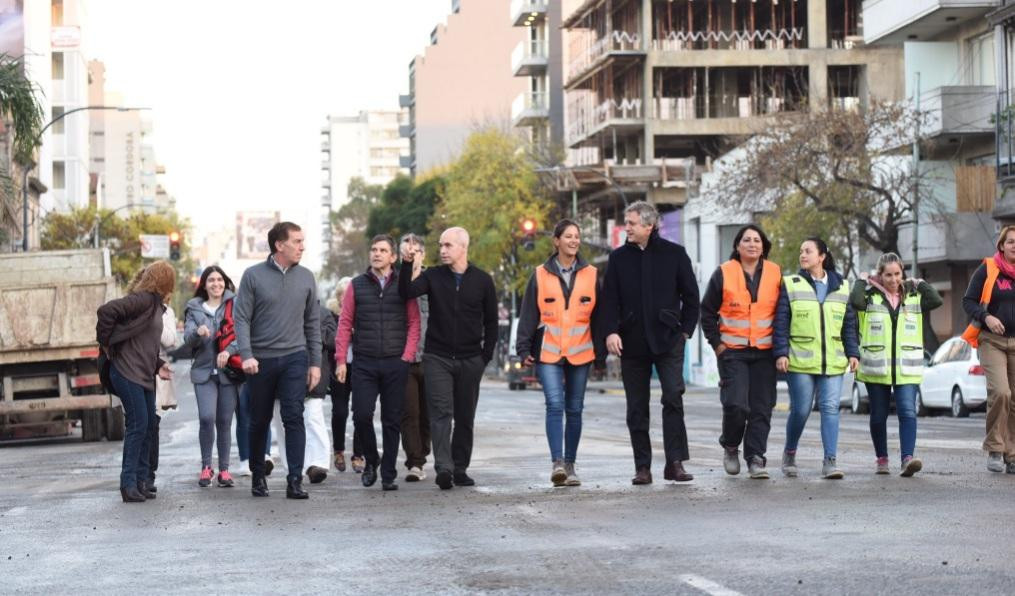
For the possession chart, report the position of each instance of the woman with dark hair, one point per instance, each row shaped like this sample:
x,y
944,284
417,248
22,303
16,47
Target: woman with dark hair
x,y
891,311
216,393
737,314
815,341
555,332
129,330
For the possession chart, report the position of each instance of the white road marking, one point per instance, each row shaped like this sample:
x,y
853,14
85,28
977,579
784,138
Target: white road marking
x,y
707,586
15,511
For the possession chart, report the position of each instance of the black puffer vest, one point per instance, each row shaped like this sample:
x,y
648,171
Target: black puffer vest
x,y
381,323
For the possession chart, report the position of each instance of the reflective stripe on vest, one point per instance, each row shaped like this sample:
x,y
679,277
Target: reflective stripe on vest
x,y
972,332
743,322
878,334
815,329
567,331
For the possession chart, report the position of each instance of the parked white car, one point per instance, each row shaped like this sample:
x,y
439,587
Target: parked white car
x,y
953,380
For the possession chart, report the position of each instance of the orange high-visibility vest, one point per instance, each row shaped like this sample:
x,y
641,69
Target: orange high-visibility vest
x,y
972,332
743,323
567,330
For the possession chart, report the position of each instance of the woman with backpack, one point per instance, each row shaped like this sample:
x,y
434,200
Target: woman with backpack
x,y
216,392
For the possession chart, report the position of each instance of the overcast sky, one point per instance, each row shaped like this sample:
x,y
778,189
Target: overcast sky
x,y
240,88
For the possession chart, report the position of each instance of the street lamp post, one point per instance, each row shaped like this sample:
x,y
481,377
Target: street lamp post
x,y
28,168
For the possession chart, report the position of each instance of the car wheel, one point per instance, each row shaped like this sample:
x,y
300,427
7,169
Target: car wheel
x,y
921,410
959,409
856,404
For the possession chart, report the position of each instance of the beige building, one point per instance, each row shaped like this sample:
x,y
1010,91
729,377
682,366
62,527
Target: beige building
x,y
463,80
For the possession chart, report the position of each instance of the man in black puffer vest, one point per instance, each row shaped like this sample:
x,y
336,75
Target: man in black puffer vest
x,y
387,333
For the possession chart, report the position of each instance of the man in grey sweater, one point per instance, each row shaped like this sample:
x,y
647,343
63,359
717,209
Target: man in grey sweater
x,y
278,333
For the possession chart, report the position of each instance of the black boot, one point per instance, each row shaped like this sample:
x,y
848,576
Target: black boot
x,y
259,486
294,488
131,494
142,487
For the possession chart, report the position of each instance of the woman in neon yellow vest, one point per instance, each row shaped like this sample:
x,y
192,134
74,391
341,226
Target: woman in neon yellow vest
x,y
891,310
815,341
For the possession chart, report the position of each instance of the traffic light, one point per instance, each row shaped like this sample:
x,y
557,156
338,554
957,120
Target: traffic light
x,y
529,233
174,246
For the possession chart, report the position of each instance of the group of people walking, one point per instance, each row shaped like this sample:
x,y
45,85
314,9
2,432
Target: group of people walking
x,y
417,340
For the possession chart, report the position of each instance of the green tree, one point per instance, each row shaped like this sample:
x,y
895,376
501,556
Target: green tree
x,y
76,229
405,207
797,219
490,189
21,116
348,224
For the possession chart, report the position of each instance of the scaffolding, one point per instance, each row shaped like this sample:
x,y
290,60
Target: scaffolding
x,y
729,25
728,92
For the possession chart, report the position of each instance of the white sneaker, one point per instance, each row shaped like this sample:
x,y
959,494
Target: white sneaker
x,y
244,469
415,474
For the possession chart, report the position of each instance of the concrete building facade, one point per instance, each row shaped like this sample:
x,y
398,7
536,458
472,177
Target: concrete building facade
x,y
462,81
538,59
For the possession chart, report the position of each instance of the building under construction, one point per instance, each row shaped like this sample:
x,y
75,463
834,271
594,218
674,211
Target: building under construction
x,y
656,89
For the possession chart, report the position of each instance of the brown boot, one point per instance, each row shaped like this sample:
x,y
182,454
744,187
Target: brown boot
x,y
340,461
642,475
675,471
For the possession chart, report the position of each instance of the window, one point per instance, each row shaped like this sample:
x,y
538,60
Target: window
x,y
58,125
56,10
57,66
980,59
59,175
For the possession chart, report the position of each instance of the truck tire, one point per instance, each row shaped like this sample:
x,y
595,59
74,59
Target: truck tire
x,y
92,425
114,424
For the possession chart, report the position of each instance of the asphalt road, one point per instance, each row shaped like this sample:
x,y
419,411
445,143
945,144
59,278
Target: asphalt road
x,y
949,530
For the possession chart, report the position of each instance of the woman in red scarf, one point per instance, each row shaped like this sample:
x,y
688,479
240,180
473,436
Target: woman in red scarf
x,y
990,304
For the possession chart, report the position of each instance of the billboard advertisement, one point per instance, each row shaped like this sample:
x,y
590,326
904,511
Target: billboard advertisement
x,y
252,233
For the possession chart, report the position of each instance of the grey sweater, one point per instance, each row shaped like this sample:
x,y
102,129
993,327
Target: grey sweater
x,y
277,314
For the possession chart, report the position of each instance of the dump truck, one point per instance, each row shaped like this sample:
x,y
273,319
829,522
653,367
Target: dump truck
x,y
48,349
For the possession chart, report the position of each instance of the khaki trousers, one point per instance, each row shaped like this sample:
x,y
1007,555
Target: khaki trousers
x,y
997,356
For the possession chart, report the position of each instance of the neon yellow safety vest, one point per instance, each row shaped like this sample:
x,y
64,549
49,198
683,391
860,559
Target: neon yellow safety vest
x,y
815,330
891,352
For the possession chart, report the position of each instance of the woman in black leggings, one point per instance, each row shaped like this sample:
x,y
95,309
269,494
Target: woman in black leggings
x,y
341,393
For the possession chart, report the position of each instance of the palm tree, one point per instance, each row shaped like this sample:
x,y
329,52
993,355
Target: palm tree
x,y
21,111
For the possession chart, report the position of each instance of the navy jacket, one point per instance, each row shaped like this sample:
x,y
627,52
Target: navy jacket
x,y
780,338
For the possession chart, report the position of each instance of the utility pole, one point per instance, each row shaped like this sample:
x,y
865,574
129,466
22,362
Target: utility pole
x,y
916,185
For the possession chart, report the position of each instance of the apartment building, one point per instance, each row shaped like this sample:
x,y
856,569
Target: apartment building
x,y
1002,20
538,59
368,146
950,71
462,81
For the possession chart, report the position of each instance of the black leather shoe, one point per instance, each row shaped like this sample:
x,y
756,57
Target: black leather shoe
x,y
294,489
316,474
463,479
259,486
151,485
391,485
642,475
444,480
268,466
675,471
142,487
369,475
131,495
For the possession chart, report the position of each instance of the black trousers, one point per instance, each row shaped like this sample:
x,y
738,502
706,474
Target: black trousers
x,y
415,419
283,378
452,392
340,395
384,377
747,393
153,453
637,375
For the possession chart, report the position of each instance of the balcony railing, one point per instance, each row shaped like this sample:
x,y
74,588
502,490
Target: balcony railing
x,y
585,116
764,39
528,107
529,57
696,107
525,12
1004,127
616,41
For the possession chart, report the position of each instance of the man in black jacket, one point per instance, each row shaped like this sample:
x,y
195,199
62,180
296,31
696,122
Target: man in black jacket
x,y
650,309
460,338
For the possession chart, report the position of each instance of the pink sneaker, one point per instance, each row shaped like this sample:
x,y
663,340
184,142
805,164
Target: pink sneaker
x,y
206,476
225,479
882,465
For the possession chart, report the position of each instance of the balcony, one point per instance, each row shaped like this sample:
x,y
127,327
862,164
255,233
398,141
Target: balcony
x,y
961,110
529,58
325,164
586,121
405,161
896,21
405,101
405,131
326,183
326,146
326,201
529,108
950,237
617,45
528,12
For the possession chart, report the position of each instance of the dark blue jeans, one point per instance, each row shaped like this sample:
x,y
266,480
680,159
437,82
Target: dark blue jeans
x,y
243,425
905,407
564,390
283,378
139,420
384,377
